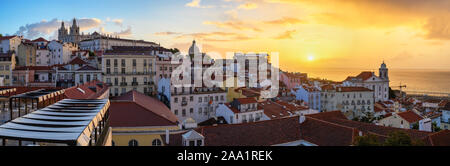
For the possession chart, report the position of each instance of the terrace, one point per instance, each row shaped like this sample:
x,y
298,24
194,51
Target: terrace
x,y
69,122
27,102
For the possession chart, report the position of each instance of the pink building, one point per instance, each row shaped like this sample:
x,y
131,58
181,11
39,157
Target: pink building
x,y
292,80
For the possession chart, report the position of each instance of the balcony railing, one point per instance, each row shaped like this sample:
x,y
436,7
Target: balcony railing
x,y
134,83
123,84
183,103
132,73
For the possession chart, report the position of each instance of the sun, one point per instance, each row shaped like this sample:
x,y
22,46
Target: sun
x,y
311,57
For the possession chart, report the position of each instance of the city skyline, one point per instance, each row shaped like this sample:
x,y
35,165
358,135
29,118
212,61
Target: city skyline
x,y
319,34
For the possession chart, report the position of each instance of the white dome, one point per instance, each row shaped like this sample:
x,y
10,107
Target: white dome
x,y
194,49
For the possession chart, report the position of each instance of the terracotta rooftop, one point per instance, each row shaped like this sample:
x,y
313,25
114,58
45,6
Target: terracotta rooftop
x,y
263,133
77,61
34,68
247,100
89,90
410,116
39,40
134,109
6,37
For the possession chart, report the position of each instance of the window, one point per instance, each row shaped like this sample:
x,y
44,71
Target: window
x,y
191,111
199,99
134,62
133,142
183,112
156,142
176,112
199,142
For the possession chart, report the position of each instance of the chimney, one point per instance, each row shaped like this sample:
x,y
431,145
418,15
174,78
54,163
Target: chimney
x,y
167,136
302,119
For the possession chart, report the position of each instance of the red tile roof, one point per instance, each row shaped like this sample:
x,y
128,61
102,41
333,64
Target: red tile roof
x,y
87,67
263,133
34,68
6,37
155,111
328,115
246,100
410,116
77,61
365,75
441,138
40,40
323,133
85,92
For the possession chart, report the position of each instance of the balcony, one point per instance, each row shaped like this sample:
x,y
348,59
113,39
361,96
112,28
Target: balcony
x,y
123,84
134,83
132,73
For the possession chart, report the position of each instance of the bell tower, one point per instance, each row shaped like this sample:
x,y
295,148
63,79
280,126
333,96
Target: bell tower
x,y
62,32
383,72
74,30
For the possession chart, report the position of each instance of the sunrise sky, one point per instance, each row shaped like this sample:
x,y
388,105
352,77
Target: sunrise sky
x,y
307,34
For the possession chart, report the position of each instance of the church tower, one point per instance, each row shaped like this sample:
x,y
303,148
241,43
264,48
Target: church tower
x,y
384,72
62,32
74,30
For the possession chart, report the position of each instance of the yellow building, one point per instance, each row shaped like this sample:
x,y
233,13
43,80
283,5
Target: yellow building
x,y
140,120
7,64
129,70
26,55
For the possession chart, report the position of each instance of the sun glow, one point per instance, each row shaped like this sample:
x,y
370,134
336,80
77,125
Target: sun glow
x,y
311,57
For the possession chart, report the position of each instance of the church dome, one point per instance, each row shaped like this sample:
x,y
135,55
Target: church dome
x,y
194,49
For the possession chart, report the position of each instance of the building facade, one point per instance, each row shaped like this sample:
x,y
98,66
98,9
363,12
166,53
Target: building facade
x,y
309,94
103,43
10,43
7,64
26,55
60,53
379,84
126,71
242,110
354,102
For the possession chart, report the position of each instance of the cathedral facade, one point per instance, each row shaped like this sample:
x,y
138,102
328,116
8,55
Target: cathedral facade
x,y
72,34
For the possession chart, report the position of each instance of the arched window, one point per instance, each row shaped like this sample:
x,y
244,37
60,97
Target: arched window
x,y
156,142
133,142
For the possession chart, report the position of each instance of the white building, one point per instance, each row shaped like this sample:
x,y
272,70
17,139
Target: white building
x,y
102,43
242,110
352,101
76,72
61,53
10,43
379,84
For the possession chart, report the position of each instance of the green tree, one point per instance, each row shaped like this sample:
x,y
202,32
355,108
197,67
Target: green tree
x,y
174,50
1,35
415,126
435,127
367,140
91,54
400,138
